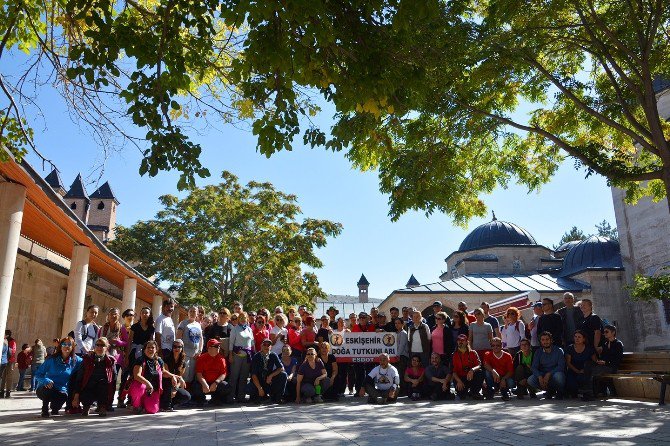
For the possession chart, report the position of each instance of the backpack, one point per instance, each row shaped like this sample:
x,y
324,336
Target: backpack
x,y
84,330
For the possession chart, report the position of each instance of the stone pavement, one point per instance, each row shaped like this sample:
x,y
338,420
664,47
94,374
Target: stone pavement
x,y
350,422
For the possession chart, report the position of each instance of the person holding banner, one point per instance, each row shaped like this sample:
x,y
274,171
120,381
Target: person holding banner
x,y
360,369
382,382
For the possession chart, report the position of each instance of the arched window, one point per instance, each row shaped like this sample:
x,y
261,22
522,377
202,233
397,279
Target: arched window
x,y
73,206
101,205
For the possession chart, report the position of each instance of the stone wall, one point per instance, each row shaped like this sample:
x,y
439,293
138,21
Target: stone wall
x,y
38,300
644,230
528,261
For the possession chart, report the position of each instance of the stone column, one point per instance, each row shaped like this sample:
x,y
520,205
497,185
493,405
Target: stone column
x,y
76,288
12,199
157,305
129,293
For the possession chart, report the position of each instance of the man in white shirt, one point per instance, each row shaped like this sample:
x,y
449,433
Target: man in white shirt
x,y
382,382
165,331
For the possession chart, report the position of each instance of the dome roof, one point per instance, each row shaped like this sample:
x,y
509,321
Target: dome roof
x,y
567,245
496,233
594,252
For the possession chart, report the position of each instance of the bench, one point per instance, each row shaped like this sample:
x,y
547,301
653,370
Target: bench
x,y
645,365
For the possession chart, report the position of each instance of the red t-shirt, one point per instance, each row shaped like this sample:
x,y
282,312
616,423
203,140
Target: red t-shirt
x,y
366,328
471,318
211,367
259,335
503,365
463,362
294,340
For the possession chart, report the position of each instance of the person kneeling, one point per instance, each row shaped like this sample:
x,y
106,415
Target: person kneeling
x,y
467,370
438,379
499,367
210,375
96,380
268,377
548,368
382,382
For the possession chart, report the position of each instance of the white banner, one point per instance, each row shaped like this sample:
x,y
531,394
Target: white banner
x,y
363,347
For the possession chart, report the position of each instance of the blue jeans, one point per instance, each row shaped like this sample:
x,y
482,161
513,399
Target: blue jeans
x,y
492,386
22,376
556,382
33,378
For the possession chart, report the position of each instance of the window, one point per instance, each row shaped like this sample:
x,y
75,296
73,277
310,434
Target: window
x,y
101,205
666,310
516,265
73,206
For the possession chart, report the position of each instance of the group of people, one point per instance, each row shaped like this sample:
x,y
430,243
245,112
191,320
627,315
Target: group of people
x,y
238,356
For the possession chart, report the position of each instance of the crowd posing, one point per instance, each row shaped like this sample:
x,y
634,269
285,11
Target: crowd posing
x,y
150,365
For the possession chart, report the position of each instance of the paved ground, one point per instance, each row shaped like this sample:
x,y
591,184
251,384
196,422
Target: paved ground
x,y
350,422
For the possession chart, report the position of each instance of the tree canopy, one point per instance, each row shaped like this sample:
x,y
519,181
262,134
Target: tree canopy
x,y
447,99
603,229
229,242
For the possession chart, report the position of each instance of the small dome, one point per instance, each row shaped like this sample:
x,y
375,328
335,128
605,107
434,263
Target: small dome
x,y
496,233
594,252
567,246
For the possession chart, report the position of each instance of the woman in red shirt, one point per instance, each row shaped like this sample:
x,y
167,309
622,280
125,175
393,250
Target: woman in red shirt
x,y
261,332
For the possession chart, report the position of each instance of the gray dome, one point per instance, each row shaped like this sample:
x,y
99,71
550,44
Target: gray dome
x,y
594,252
496,233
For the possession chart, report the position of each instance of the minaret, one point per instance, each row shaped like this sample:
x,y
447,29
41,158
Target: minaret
x,y
77,199
102,216
55,182
363,285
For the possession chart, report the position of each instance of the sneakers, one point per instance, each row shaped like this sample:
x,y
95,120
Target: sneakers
x,y
415,396
505,396
318,399
85,411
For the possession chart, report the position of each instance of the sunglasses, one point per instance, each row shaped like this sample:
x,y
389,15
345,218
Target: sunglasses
x,y
66,344
311,354
130,315
101,345
177,346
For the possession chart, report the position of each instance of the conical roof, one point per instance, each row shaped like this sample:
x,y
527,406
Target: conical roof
x,y
363,280
77,190
412,282
54,180
105,192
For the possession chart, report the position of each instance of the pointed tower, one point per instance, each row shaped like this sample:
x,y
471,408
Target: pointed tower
x,y
363,286
77,199
412,282
102,216
55,182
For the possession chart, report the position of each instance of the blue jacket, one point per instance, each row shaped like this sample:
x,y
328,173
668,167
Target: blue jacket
x,y
55,371
544,362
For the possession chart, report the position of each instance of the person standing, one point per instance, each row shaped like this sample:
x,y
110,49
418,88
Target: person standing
x,y
551,322
7,364
23,361
165,329
86,331
430,320
532,326
239,358
513,331
442,340
39,356
572,317
592,325
190,333
491,320
419,338
480,334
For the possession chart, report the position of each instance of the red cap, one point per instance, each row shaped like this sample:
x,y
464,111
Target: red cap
x,y
213,343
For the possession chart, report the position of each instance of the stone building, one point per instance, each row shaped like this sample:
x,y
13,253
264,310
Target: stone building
x,y
644,232
54,259
501,263
346,304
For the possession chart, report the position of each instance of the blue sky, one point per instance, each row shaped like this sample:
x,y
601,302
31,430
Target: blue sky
x,y
328,187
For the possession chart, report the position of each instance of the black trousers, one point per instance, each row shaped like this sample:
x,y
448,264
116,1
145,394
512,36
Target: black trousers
x,y
433,389
473,386
167,400
51,398
275,390
361,370
95,391
219,396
